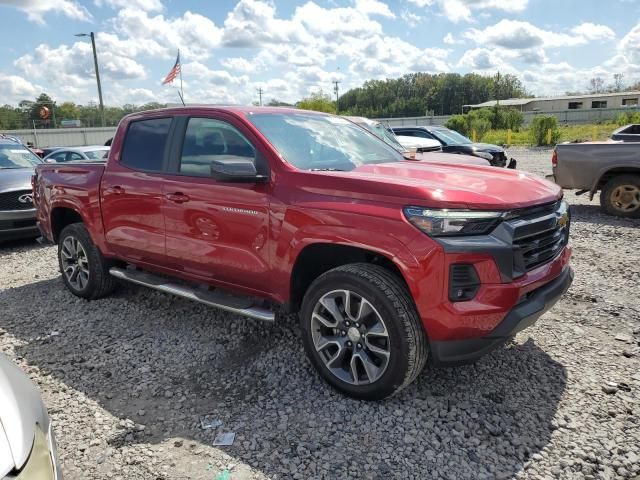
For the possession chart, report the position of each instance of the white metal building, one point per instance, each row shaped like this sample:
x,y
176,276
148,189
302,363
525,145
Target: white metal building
x,y
573,102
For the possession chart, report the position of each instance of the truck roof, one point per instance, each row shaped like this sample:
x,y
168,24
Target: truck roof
x,y
237,109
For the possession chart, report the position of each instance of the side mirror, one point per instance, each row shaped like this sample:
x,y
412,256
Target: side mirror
x,y
50,160
240,169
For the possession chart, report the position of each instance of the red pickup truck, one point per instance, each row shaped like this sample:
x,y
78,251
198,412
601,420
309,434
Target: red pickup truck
x,y
388,262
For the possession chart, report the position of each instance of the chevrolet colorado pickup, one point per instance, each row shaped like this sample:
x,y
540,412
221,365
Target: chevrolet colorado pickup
x,y
388,262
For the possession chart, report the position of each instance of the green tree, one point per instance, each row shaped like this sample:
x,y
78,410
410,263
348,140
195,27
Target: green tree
x,y
68,111
318,101
544,130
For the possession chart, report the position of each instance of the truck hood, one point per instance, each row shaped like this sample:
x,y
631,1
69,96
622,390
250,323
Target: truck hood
x,y
15,179
449,186
20,410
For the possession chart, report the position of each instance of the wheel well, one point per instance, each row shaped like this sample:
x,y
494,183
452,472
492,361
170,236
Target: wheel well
x,y
316,259
60,218
614,172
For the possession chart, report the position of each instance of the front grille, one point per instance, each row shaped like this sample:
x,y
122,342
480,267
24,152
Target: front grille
x,y
539,236
10,201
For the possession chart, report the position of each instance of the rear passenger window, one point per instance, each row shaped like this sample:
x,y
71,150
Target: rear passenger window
x,y
144,144
208,140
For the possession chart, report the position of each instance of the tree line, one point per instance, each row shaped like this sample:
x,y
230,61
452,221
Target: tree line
x,y
29,114
415,94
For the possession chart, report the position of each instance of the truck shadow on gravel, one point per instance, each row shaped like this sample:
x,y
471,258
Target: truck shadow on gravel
x,y
163,362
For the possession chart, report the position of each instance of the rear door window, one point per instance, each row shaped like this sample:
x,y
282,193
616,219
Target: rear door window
x,y
145,143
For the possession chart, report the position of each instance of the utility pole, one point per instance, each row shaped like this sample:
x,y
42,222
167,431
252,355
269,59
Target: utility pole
x,y
95,62
260,92
335,89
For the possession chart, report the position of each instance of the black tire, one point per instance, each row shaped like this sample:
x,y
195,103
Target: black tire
x,y
608,202
407,342
100,283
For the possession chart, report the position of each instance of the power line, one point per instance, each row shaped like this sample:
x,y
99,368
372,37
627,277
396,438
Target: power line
x,y
260,92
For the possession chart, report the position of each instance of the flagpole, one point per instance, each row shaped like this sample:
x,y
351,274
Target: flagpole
x,y
181,90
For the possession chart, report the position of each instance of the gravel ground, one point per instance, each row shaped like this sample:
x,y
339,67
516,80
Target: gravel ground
x,y
127,379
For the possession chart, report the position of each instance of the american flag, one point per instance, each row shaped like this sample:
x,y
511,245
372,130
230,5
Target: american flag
x,y
174,72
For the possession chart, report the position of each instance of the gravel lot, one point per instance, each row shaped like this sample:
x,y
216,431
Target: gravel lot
x,y
127,379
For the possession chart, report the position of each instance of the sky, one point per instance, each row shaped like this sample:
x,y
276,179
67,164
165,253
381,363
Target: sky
x,y
290,48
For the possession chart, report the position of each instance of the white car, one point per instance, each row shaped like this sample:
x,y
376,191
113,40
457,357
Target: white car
x,y
27,446
420,144
94,153
402,144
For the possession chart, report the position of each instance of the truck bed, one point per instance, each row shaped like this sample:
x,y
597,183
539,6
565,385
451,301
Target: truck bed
x,y
75,186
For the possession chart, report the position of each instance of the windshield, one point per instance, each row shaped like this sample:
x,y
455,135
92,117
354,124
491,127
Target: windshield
x,y
97,154
450,137
319,142
17,156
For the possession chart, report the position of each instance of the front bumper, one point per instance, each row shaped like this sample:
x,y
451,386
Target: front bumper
x,y
16,224
523,315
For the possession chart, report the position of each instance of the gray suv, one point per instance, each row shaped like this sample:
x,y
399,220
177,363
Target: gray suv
x,y
17,213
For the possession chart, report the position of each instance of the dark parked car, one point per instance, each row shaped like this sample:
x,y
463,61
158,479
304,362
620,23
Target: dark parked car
x,y
17,213
454,142
628,133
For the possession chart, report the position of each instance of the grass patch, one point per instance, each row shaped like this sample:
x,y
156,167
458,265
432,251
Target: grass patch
x,y
568,133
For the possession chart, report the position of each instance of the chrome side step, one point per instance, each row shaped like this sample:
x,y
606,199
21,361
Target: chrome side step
x,y
224,301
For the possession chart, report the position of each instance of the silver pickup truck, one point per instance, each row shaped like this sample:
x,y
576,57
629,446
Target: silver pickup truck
x,y
613,168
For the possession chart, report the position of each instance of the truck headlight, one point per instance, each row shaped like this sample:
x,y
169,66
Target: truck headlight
x,y
40,465
445,223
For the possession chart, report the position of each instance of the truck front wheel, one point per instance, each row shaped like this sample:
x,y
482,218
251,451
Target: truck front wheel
x,y
85,271
362,332
621,196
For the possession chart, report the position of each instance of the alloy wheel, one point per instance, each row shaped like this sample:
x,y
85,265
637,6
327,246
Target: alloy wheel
x,y
75,263
350,337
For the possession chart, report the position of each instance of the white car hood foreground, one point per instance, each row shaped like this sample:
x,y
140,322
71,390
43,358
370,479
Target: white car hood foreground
x,y
418,142
20,410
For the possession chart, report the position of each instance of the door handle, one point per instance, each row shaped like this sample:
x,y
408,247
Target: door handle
x,y
116,190
178,197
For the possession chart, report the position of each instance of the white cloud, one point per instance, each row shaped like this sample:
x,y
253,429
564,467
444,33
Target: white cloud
x,y
74,77
449,39
464,10
14,88
194,34
146,5
374,7
410,18
252,23
518,35
591,31
36,9
241,64
629,46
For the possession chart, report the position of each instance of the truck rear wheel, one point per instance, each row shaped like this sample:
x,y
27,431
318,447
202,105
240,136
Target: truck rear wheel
x,y
85,271
621,196
362,332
